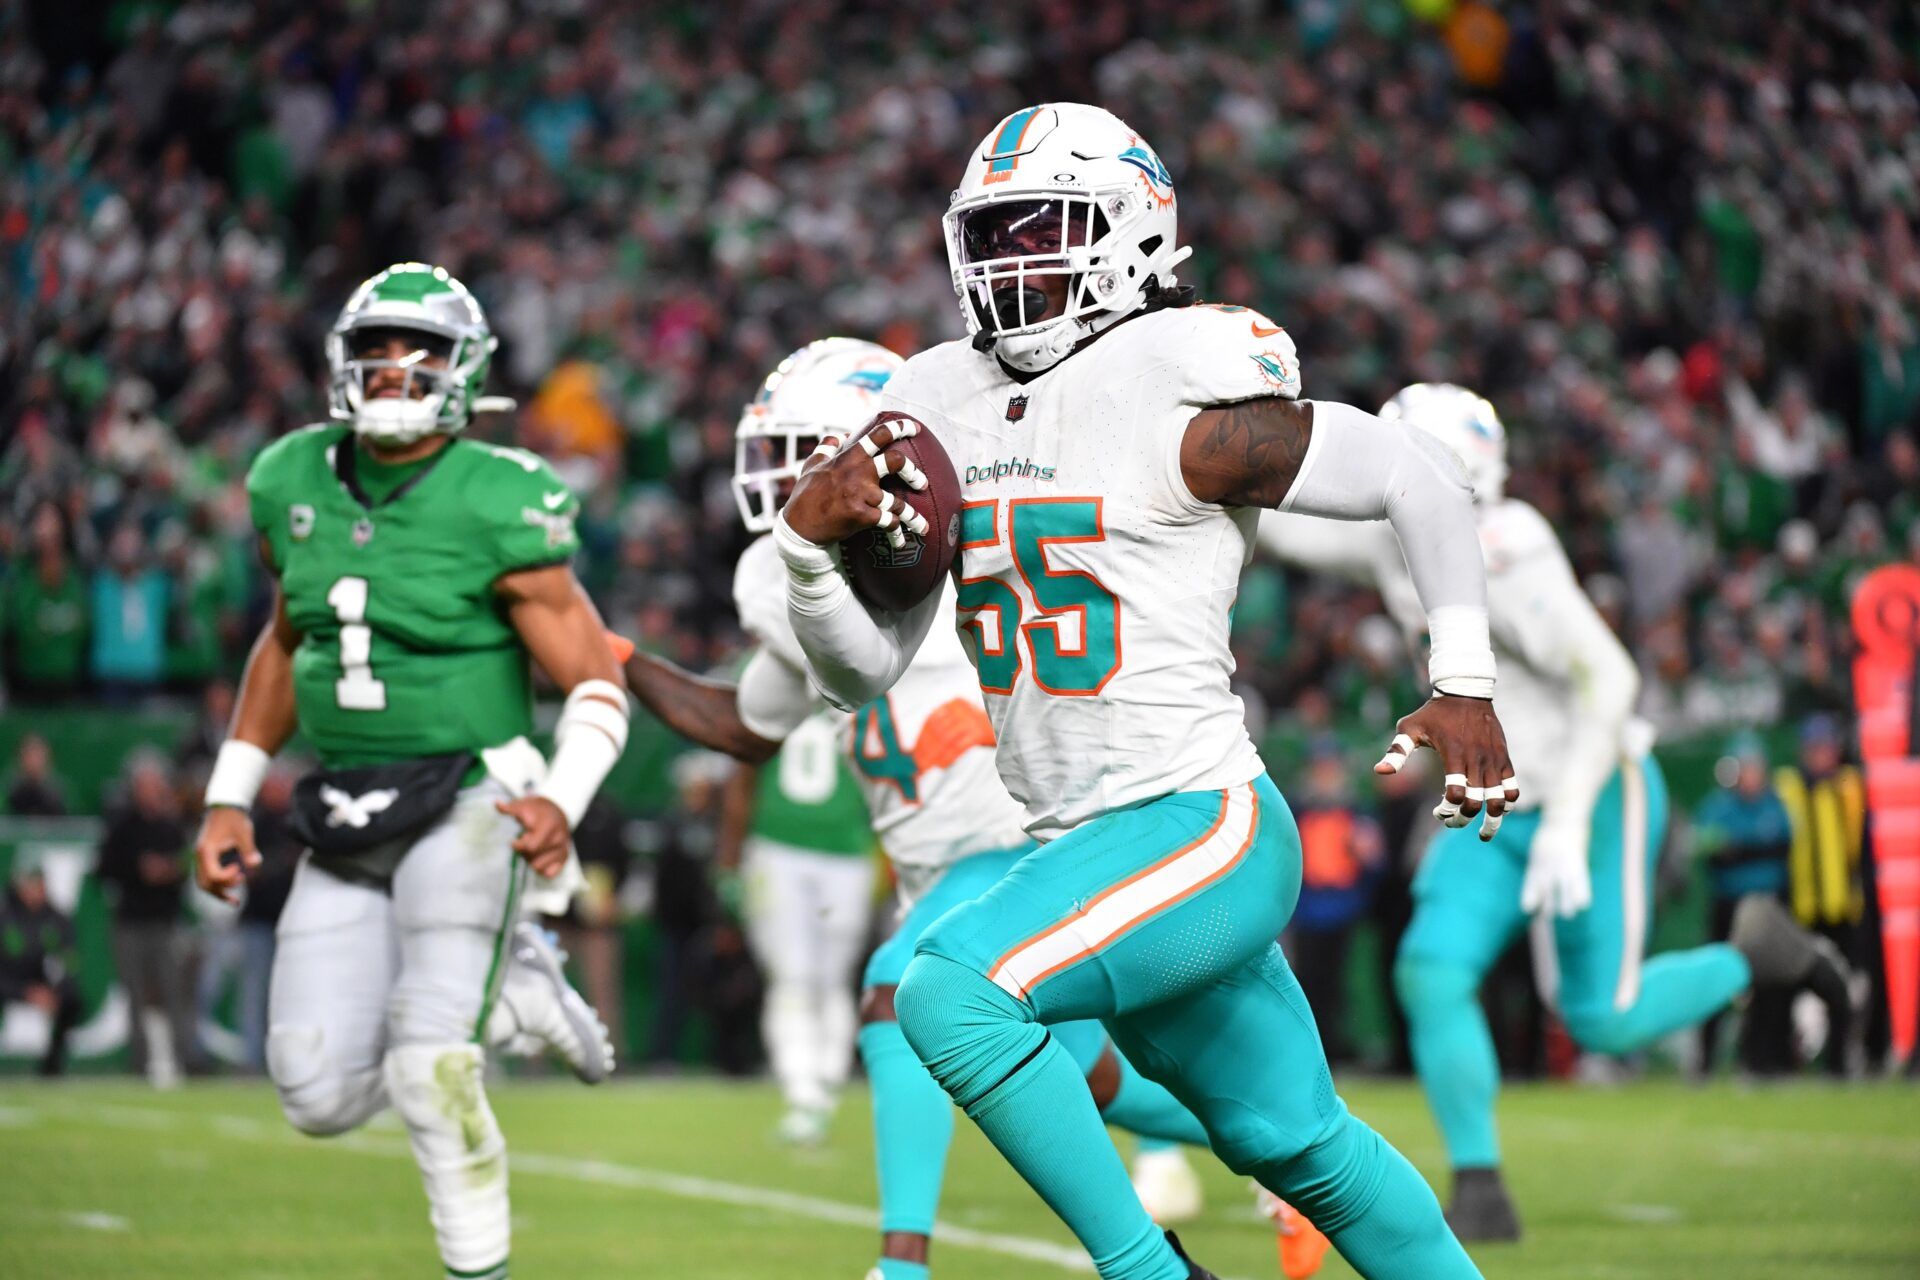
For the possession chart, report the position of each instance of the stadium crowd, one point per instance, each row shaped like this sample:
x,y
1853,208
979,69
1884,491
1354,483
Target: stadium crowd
x,y
1675,245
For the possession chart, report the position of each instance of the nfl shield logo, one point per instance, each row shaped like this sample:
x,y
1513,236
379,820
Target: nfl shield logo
x,y
1016,408
362,532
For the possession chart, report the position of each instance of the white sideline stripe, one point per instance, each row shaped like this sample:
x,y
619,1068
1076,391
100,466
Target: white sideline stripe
x,y
606,1173
1644,1214
1124,907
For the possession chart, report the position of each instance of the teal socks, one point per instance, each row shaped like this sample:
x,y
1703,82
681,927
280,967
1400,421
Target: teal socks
x,y
1377,1210
912,1128
1454,1056
1029,1097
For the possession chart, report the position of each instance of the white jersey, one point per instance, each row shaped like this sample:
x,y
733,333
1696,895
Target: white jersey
x,y
922,752
1548,639
1094,588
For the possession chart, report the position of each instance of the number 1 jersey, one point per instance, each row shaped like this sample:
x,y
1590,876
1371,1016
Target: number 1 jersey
x,y
1095,591
405,649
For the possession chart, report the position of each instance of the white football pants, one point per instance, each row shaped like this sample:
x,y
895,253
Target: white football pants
x,y
380,996
807,921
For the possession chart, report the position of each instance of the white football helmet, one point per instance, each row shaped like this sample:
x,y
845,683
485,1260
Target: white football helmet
x,y
1463,421
1061,189
827,387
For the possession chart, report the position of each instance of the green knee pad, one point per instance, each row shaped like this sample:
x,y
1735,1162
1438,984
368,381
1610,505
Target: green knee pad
x,y
970,1033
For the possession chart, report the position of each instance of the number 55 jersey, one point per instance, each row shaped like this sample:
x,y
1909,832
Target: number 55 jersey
x,y
1095,591
388,574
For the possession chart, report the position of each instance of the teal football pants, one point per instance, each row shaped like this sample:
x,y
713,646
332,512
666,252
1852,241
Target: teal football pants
x,y
1160,920
912,1115
1612,999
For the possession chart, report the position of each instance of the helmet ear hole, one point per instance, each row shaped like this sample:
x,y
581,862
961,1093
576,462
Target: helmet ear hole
x,y
1149,247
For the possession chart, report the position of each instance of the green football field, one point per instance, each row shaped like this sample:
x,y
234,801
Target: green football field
x,y
682,1180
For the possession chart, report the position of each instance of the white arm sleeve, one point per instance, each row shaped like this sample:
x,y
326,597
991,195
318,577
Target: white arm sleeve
x,y
775,696
1349,549
1361,551
1542,615
853,654
1361,468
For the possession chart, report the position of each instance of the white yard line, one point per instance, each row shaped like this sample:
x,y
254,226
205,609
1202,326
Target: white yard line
x,y
1650,1215
97,1221
606,1173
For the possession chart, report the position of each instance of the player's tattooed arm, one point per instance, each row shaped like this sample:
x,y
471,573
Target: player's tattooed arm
x,y
698,709
1246,454
1254,454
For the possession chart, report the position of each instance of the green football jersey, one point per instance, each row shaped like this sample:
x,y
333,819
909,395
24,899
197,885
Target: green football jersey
x,y
405,649
808,798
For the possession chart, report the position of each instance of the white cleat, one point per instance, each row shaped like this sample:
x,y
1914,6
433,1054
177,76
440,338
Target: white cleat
x,y
1167,1185
804,1126
538,1004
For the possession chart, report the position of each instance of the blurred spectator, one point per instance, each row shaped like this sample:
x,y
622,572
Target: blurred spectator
x,y
34,791
143,863
1404,814
129,618
266,897
37,962
1743,831
201,743
1825,799
1341,859
46,611
593,932
703,962
1678,255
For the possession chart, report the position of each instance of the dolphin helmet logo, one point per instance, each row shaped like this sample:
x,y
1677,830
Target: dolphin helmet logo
x,y
1159,181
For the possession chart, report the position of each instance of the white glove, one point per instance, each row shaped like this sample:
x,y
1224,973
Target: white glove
x,y
1558,880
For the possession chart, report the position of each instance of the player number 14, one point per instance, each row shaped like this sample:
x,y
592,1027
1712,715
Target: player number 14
x,y
356,689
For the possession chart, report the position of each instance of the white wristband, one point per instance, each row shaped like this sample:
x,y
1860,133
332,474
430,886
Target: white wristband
x,y
1462,659
813,569
587,743
238,771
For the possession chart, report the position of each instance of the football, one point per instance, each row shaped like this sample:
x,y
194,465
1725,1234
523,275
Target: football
x,y
898,578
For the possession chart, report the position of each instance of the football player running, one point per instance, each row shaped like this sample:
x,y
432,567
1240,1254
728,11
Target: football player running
x,y
923,754
1115,444
416,575
1579,860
